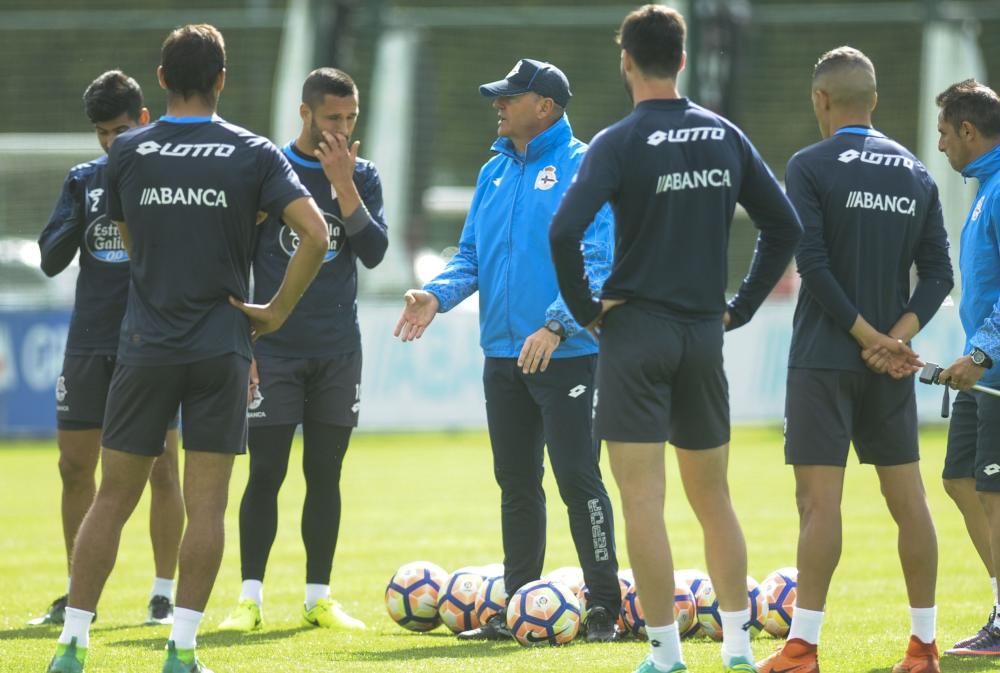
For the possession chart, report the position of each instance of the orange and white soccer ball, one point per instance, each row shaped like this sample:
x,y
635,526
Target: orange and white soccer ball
x,y
491,598
758,607
685,607
693,579
709,620
411,597
543,612
685,610
569,576
457,600
780,588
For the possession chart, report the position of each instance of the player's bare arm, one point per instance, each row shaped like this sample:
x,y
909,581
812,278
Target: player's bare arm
x,y
303,216
886,355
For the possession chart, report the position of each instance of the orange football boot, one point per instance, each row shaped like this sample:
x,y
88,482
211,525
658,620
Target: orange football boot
x,y
920,657
795,656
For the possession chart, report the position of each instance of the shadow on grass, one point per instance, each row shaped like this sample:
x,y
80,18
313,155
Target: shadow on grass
x,y
951,664
449,650
52,631
968,664
219,637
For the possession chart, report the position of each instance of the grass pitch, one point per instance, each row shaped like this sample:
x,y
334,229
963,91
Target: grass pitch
x,y
432,496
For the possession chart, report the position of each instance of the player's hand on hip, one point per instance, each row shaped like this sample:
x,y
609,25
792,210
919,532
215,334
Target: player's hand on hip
x,y
264,318
418,312
962,374
537,351
606,305
337,158
254,381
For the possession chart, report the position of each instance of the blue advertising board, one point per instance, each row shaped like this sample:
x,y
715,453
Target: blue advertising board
x,y
31,352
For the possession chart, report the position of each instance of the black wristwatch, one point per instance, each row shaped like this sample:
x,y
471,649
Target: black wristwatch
x,y
556,328
981,359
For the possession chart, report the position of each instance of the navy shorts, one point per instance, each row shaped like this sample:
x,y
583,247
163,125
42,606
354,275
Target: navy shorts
x,y
82,392
827,409
327,390
661,380
974,440
211,394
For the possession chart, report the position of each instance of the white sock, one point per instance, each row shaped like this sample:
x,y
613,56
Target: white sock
x,y
184,632
315,592
735,638
76,625
254,590
806,625
665,646
993,582
162,587
923,623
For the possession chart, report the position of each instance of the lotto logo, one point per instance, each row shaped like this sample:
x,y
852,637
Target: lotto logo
x,y
875,158
185,149
990,470
576,391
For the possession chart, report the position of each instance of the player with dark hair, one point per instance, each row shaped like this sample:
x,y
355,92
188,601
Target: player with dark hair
x,y
969,134
869,211
538,375
310,369
185,192
673,173
113,104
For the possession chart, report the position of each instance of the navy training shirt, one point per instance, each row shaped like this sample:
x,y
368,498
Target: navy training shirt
x,y
189,189
325,321
79,222
673,173
869,211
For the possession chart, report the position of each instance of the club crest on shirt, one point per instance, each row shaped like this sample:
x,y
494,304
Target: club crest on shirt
x,y
978,209
61,389
289,240
94,197
546,178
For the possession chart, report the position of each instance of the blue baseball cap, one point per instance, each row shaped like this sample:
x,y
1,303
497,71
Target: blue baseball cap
x,y
530,75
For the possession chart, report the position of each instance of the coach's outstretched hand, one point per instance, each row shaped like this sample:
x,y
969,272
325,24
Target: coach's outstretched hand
x,y
264,318
420,309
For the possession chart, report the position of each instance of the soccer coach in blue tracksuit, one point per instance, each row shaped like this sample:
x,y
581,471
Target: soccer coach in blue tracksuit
x,y
540,364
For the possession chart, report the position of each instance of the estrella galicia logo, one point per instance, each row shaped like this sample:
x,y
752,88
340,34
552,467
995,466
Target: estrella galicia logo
x,y
104,241
289,240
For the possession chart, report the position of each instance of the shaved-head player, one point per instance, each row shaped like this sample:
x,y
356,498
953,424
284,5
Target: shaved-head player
x,y
869,211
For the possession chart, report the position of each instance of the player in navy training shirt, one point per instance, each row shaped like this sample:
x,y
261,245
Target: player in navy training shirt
x,y
673,172
79,222
869,211
310,369
185,192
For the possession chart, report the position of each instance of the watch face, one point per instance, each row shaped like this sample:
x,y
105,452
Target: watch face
x,y
978,357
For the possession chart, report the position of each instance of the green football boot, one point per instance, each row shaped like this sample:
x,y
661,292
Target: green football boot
x,y
68,659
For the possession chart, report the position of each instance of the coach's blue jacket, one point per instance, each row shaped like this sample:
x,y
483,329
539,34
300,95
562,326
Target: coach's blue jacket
x,y
979,261
504,249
